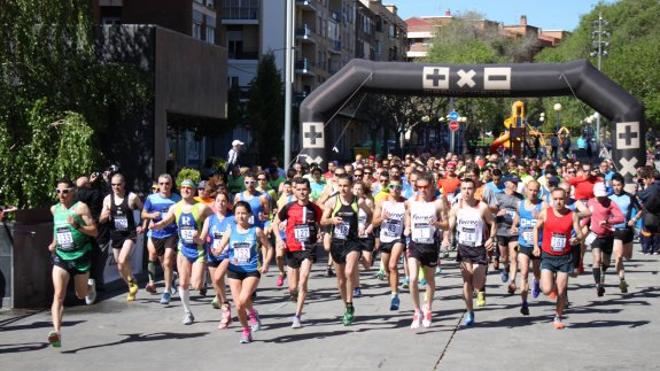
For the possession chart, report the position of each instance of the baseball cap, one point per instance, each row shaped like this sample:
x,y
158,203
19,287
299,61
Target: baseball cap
x,y
237,142
599,190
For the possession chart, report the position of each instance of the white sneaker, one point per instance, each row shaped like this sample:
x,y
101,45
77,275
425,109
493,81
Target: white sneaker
x,y
90,298
188,318
296,322
426,321
416,320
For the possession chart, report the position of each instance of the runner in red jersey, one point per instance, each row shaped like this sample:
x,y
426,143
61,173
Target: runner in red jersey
x,y
557,223
303,217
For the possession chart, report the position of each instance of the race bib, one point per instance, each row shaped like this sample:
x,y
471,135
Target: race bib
x,y
468,236
558,242
392,228
216,243
422,233
121,223
341,230
64,238
528,236
241,252
187,235
301,232
591,237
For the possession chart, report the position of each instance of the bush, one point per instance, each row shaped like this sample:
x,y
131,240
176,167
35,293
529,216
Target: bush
x,y
187,173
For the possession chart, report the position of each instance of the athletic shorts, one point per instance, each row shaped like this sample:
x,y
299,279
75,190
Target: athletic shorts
x,y
505,240
472,254
427,254
527,250
605,244
214,261
160,243
194,255
295,258
386,247
557,263
625,235
74,267
339,249
366,244
237,275
117,242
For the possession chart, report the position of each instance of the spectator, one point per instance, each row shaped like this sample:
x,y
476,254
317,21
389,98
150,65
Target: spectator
x,y
232,156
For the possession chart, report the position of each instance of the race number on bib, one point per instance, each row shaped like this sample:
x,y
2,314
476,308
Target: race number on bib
x,y
468,236
393,228
301,232
528,236
121,223
591,237
558,242
64,238
241,253
341,230
187,234
422,233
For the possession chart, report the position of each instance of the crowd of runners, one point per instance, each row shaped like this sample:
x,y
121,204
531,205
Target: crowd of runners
x,y
400,216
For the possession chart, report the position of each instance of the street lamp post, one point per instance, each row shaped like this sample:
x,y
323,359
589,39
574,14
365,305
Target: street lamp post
x,y
600,44
557,108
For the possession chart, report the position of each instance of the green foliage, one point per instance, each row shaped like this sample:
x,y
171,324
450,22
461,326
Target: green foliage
x,y
633,59
188,173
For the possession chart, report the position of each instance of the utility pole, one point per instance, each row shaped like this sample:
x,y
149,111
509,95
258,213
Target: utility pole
x,y
599,44
288,80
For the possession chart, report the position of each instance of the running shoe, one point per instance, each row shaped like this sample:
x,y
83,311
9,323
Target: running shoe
x,y
504,275
165,299
132,290
329,272
90,298
254,320
188,318
558,324
481,299
225,318
536,289
426,321
150,288
406,283
469,319
295,323
280,280
394,303
623,285
54,339
380,275
416,321
524,309
347,320
422,283
357,292
600,290
215,303
246,336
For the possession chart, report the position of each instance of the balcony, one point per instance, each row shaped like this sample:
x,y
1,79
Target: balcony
x,y
240,13
239,54
305,67
306,5
306,32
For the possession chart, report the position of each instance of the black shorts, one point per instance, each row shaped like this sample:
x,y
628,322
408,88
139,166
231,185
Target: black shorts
x,y
117,241
161,243
295,258
214,261
472,254
74,267
236,275
625,235
528,251
505,240
386,247
366,244
427,254
604,243
576,250
339,249
557,263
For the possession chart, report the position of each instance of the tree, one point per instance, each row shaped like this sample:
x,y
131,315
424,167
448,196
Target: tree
x,y
265,110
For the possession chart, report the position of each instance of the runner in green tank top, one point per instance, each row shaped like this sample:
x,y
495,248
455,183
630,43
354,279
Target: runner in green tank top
x,y
72,228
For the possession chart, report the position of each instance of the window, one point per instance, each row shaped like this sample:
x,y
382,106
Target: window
x,y
210,34
234,81
197,31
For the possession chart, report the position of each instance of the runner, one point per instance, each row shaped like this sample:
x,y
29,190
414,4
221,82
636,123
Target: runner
x,y
258,201
302,217
472,219
557,223
161,243
118,209
389,216
341,212
240,242
365,232
524,222
504,206
73,228
213,230
189,216
424,217
624,232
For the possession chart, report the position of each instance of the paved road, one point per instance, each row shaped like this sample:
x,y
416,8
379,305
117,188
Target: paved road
x,y
613,332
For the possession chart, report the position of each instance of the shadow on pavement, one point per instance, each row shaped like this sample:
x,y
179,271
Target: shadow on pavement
x,y
40,324
607,323
22,347
288,338
133,338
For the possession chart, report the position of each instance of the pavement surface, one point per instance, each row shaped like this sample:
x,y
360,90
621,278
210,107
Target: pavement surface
x,y
614,332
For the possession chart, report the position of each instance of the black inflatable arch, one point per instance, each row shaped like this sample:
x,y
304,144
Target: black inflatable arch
x,y
505,80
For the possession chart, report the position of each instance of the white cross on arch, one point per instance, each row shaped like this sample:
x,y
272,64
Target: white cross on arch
x,y
313,135
466,78
627,166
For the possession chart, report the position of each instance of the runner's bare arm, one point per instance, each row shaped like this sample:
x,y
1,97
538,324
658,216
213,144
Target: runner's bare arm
x,y
90,227
105,211
205,231
53,243
265,243
539,226
168,219
489,218
578,230
406,220
327,218
442,215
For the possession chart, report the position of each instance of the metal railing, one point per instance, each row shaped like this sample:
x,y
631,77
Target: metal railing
x,y
240,12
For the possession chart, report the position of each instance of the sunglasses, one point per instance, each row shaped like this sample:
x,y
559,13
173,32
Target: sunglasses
x,y
395,186
63,191
249,182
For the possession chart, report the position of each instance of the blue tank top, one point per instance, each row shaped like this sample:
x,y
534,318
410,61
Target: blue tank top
x,y
217,228
624,202
156,202
187,225
255,205
243,249
527,223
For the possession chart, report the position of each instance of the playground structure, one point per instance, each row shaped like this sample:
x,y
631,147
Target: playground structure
x,y
517,131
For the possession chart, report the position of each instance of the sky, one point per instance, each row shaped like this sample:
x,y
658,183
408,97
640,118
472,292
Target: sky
x,y
548,15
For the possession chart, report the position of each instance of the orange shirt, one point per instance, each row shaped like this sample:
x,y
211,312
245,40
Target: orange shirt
x,y
449,185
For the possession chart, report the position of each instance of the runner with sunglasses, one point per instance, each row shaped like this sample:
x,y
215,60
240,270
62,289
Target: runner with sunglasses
x,y
73,228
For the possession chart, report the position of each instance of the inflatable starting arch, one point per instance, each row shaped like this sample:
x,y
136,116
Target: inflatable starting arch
x,y
577,78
